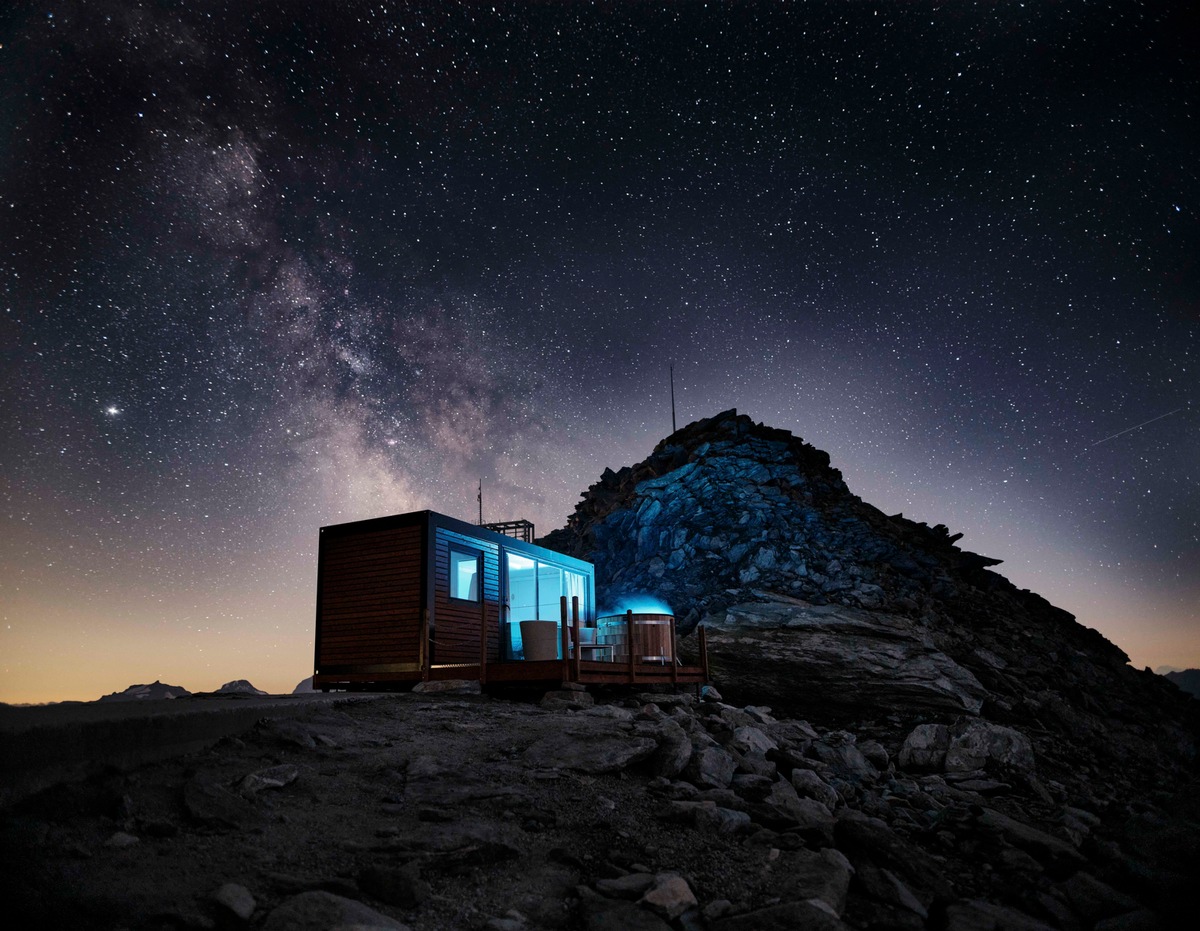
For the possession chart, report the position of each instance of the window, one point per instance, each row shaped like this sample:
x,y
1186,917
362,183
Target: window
x,y
464,575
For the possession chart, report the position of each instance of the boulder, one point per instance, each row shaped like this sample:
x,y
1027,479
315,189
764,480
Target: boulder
x,y
804,654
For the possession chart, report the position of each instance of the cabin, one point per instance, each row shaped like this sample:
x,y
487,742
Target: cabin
x,y
421,596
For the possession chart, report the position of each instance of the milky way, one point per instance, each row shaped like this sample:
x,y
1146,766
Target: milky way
x,y
267,267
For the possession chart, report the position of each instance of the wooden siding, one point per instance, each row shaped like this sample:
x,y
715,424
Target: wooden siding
x,y
455,630
370,599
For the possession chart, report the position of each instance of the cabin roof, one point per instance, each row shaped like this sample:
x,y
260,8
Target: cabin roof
x,y
425,518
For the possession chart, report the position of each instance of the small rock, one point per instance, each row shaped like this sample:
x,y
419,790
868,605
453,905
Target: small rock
x,y
276,777
630,886
237,899
924,749
808,784
875,754
722,820
751,740
976,744
674,750
710,767
671,896
121,839
567,699
601,914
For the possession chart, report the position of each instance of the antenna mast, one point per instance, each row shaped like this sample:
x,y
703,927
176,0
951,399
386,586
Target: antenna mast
x,y
480,497
672,371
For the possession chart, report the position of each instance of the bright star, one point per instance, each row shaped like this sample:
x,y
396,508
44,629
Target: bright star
x,y
112,411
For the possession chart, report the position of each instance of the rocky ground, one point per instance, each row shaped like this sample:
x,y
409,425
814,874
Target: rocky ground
x,y
945,751
448,810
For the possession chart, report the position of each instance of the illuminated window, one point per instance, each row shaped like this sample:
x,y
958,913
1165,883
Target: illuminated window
x,y
464,575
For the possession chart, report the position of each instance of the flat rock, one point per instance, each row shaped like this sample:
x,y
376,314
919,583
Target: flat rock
x,y
591,752
1053,852
978,915
212,804
789,916
823,874
631,886
843,656
324,911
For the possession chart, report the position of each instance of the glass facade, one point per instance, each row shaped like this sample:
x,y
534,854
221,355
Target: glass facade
x,y
534,590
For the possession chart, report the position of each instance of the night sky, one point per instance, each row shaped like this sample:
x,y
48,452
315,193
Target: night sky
x,y
271,266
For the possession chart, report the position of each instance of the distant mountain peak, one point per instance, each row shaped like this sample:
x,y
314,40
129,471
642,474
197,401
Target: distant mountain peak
x,y
155,690
239,687
1186,679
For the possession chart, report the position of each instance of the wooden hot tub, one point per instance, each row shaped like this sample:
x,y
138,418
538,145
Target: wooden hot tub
x,y
653,636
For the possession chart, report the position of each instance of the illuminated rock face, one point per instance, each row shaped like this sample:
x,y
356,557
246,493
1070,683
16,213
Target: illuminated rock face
x,y
725,508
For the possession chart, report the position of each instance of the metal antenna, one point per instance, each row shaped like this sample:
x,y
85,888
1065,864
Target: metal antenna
x,y
480,497
672,371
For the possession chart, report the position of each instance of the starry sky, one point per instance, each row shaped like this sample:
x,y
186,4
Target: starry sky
x,y
269,266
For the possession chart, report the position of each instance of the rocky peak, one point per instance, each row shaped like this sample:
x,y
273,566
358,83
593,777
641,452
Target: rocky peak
x,y
813,599
725,509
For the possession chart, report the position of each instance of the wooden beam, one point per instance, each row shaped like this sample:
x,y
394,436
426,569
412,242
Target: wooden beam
x,y
483,619
424,643
566,650
704,651
575,628
629,642
671,658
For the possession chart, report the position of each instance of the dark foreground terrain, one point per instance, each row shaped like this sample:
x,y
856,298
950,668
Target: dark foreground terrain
x,y
457,810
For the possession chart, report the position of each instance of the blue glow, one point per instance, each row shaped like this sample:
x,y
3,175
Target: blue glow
x,y
639,604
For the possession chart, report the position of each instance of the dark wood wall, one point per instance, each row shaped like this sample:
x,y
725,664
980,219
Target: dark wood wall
x,y
455,633
370,599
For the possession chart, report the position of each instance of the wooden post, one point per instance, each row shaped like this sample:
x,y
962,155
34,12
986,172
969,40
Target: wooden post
x,y
674,664
566,658
704,651
424,645
483,631
575,628
629,641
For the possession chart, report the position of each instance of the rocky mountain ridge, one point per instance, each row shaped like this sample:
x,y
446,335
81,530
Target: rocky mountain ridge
x,y
815,602
155,690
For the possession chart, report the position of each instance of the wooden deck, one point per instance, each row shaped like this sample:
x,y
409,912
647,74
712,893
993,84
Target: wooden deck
x,y
549,671
624,669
